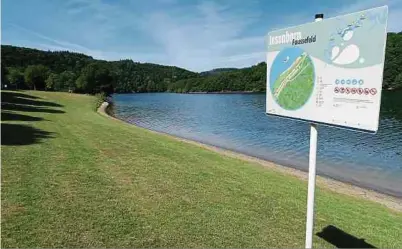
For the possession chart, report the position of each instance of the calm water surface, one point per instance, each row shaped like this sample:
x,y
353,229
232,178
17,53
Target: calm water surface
x,y
238,122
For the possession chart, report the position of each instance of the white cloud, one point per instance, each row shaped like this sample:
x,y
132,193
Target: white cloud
x,y
197,37
204,39
59,44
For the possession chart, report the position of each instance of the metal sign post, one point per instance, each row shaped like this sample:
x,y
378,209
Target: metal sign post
x,y
311,186
311,175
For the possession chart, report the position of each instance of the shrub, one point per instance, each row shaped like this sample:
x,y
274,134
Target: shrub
x,y
99,99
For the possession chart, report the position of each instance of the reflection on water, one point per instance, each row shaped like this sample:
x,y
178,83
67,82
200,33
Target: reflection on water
x,y
238,122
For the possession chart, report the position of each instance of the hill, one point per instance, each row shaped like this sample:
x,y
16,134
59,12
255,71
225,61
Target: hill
x,y
218,71
245,79
254,78
61,71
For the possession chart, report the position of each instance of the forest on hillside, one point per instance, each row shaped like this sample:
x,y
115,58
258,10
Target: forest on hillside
x,y
25,68
254,78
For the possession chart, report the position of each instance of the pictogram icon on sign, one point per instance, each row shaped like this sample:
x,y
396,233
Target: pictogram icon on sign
x,y
354,90
342,90
366,91
347,90
360,90
336,90
373,91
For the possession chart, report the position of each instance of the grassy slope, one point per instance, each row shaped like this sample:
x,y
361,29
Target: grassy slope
x,y
81,179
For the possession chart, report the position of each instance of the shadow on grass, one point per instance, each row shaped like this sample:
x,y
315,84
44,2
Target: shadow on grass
x,y
341,239
10,116
17,94
24,99
27,108
13,103
18,134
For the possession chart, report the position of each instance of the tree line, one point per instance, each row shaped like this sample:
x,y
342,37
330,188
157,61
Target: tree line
x,y
25,68
254,78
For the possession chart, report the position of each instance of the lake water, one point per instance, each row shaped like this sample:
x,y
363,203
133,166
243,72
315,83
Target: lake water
x,y
238,122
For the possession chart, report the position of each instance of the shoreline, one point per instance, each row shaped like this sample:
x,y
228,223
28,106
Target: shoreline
x,y
336,186
225,92
237,92
215,92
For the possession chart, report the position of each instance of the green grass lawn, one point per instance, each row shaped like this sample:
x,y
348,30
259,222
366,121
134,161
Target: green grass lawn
x,y
74,178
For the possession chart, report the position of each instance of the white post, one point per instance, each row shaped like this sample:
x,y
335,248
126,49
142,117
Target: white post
x,y
311,176
311,186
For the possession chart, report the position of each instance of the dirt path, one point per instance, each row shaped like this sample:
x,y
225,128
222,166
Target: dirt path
x,y
333,185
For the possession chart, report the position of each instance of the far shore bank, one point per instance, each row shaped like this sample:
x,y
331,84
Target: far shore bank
x,y
337,186
237,92
225,92
217,92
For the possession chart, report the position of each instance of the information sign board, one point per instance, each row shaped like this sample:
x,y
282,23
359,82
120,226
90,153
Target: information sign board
x,y
330,71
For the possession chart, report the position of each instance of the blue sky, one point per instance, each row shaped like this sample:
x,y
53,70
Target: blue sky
x,y
195,34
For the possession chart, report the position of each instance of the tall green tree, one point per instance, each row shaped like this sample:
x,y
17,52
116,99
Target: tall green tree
x,y
81,84
95,77
397,82
128,76
15,77
51,81
88,75
35,76
65,81
393,61
4,72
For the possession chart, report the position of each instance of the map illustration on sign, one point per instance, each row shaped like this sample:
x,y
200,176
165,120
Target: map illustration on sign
x,y
292,78
315,70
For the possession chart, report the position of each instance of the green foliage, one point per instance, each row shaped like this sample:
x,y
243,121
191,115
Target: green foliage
x,y
15,77
254,78
65,81
81,73
99,99
93,77
84,74
393,61
57,62
217,71
250,79
4,72
35,76
138,77
51,81
398,81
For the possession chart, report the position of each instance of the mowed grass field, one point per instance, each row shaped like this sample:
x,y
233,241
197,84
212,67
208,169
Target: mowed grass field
x,y
74,178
